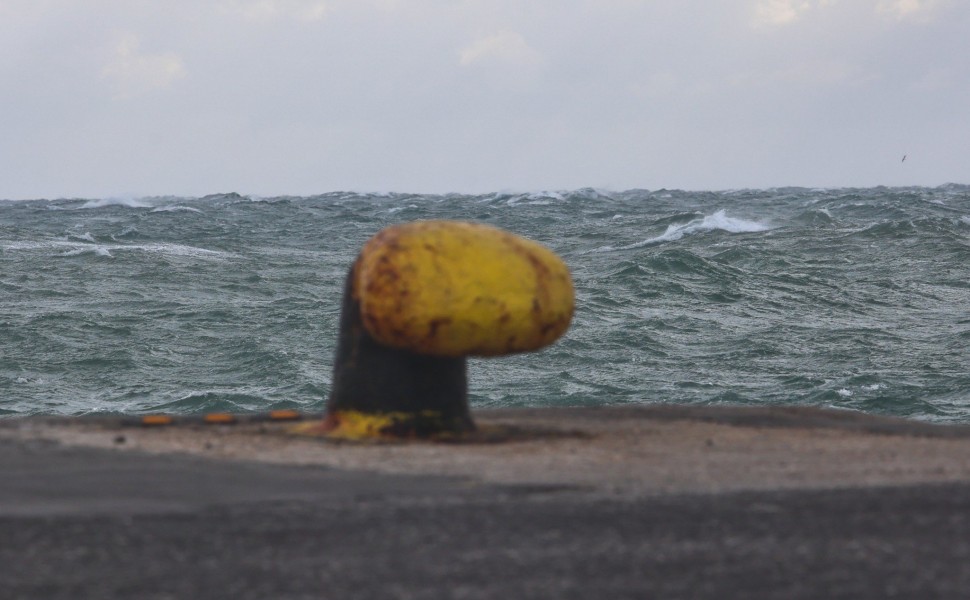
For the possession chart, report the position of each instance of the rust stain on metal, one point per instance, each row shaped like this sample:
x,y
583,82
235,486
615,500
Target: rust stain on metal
x,y
434,324
408,279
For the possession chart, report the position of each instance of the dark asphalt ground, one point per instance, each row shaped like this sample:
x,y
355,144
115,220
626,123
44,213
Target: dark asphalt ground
x,y
83,523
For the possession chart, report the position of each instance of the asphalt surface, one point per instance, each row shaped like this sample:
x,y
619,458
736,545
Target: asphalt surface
x,y
88,523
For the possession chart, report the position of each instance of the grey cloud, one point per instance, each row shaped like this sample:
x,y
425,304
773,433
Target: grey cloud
x,y
305,97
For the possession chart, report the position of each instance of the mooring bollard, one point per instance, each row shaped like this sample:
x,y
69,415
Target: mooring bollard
x,y
419,299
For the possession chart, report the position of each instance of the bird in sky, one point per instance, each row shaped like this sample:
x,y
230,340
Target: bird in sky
x,y
904,158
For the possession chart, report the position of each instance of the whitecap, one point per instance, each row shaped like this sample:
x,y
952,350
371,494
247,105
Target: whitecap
x,y
174,250
42,245
844,393
86,237
530,203
397,209
97,250
534,199
77,249
126,202
719,221
175,208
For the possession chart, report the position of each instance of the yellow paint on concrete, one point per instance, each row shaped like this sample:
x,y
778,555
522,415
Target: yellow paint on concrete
x,y
358,426
450,288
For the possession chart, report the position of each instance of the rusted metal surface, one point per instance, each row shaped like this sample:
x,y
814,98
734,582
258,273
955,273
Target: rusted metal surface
x,y
461,289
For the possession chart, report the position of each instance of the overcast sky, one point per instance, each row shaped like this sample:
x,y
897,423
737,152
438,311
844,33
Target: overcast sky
x,y
269,97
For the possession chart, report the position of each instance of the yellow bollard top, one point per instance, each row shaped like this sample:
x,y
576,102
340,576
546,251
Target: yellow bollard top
x,y
450,288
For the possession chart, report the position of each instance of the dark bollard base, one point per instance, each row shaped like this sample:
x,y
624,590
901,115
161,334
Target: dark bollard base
x,y
403,394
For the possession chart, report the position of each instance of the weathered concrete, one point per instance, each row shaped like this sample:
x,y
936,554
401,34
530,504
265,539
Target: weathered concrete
x,y
632,451
658,501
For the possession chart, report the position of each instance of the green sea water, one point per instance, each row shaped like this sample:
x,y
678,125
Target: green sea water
x,y
850,298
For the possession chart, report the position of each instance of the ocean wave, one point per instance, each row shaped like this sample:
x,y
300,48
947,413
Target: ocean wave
x,y
533,199
84,237
398,209
157,203
817,217
238,309
96,250
175,250
126,202
78,249
175,208
719,221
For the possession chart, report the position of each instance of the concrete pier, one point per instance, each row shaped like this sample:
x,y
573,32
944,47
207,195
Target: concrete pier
x,y
624,502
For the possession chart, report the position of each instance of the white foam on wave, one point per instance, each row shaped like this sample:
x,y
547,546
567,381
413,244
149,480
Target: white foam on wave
x,y
175,208
965,220
719,221
174,250
127,202
98,250
535,199
77,249
398,209
86,237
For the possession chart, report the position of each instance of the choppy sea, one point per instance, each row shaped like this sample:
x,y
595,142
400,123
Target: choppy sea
x,y
850,298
